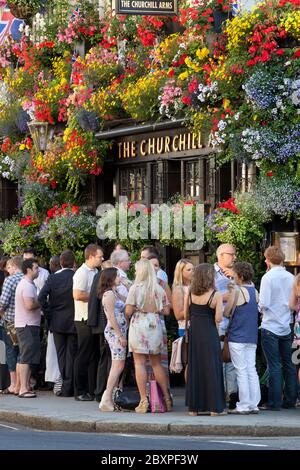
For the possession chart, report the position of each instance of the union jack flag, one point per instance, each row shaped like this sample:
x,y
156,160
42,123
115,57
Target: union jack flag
x,y
9,25
75,13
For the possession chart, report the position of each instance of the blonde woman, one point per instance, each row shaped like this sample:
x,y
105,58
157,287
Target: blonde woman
x,y
182,280
145,302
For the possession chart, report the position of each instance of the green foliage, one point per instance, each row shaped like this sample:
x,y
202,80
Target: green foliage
x,y
69,231
37,198
15,238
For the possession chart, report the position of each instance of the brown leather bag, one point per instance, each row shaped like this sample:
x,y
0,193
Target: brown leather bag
x,y
226,352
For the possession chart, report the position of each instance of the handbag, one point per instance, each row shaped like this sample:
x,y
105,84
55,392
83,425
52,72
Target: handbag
x,y
185,348
156,398
12,332
225,352
127,399
185,339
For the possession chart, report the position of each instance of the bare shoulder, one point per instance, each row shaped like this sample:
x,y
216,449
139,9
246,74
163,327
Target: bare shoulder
x,y
108,295
177,290
218,296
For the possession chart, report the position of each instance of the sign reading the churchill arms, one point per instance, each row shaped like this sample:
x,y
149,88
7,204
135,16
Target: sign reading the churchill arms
x,y
146,7
159,145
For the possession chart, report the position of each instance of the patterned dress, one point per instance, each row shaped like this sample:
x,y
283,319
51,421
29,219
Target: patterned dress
x,y
118,352
146,330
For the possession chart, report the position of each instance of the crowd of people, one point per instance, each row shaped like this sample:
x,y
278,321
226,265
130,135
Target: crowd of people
x,y
96,318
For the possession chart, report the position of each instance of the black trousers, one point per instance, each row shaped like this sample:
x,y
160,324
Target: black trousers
x,y
66,348
104,365
85,363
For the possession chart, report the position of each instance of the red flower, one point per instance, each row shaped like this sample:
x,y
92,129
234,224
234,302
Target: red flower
x,y
171,73
192,85
192,202
75,210
269,173
229,205
6,145
296,54
186,100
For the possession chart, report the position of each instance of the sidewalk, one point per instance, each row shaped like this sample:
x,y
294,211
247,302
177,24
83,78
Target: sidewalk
x,y
53,413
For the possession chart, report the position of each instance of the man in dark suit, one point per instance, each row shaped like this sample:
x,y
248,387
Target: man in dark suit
x,y
97,322
56,299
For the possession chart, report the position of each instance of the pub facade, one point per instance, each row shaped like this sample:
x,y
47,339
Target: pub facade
x,y
151,163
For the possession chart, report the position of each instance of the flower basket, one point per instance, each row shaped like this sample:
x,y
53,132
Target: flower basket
x,y
22,11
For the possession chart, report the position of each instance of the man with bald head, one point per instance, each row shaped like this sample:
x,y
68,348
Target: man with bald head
x,y
226,256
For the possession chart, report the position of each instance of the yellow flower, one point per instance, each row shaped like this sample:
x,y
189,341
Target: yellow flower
x,y
22,147
202,53
183,75
226,103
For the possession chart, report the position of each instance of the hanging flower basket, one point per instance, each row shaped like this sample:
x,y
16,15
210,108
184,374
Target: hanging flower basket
x,y
22,11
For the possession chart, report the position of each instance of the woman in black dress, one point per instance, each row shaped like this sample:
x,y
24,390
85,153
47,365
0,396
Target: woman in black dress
x,y
205,386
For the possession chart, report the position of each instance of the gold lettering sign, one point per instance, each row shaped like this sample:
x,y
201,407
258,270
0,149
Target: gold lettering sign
x,y
159,145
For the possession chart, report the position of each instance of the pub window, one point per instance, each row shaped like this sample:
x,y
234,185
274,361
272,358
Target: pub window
x,y
133,183
159,182
195,178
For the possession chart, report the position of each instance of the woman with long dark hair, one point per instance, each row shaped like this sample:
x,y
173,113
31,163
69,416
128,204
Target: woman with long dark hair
x,y
115,332
205,386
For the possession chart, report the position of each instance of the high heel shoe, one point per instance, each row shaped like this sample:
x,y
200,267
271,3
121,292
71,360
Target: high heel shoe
x,y
143,406
105,405
168,403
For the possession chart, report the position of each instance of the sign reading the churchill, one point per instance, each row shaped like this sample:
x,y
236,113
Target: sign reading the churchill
x,y
146,7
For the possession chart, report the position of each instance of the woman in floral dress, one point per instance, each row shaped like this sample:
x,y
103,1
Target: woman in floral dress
x,y
115,332
145,302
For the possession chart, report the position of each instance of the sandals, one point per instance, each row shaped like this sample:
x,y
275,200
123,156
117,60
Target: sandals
x,y
27,395
168,403
223,413
143,406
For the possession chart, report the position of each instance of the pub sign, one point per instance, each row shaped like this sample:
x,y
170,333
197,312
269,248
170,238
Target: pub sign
x,y
146,7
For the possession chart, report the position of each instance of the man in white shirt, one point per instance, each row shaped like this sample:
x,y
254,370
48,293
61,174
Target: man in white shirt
x,y
276,336
84,383
43,273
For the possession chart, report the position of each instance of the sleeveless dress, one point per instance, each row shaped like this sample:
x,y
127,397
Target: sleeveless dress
x,y
205,385
118,352
146,329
